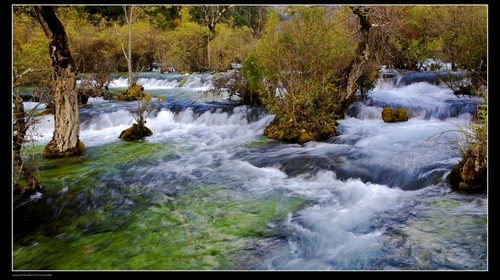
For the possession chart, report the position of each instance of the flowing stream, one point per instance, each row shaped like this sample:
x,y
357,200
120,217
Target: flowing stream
x,y
208,191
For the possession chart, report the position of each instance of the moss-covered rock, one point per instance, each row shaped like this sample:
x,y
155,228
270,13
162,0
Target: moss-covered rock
x,y
289,133
398,115
466,177
135,132
182,82
305,137
387,115
132,93
51,150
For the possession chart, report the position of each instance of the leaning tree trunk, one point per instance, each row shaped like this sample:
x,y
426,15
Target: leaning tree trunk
x,y
349,82
65,140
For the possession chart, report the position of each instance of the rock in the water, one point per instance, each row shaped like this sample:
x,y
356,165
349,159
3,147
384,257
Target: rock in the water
x,y
398,115
135,132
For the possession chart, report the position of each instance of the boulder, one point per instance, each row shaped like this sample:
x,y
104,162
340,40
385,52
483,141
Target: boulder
x,y
135,132
387,115
398,115
467,177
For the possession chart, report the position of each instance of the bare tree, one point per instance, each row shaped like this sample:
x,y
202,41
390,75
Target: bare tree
x,y
130,17
128,56
66,138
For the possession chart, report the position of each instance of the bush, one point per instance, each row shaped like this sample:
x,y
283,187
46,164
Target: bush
x,y
471,172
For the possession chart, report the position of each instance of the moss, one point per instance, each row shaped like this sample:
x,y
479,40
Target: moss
x,y
135,132
398,115
294,135
182,82
465,177
305,137
51,150
327,131
134,92
387,115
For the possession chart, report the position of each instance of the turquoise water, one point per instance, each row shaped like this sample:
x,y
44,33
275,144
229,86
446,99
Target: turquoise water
x,y
208,191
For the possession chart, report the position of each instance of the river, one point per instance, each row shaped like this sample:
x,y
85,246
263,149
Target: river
x,y
208,191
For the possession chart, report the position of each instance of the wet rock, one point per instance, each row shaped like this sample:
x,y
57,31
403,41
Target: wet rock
x,y
135,132
398,115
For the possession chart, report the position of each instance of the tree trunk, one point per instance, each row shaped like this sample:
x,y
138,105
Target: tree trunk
x,y
20,171
65,140
212,16
349,83
129,19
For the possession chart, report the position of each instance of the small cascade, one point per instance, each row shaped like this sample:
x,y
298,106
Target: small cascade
x,y
421,93
156,80
208,190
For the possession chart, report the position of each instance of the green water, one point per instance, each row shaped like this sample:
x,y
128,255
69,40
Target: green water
x,y
103,216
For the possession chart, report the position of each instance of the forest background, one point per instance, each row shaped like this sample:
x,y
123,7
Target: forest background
x,y
314,53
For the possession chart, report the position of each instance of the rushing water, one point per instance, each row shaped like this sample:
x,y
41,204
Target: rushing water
x,y
208,191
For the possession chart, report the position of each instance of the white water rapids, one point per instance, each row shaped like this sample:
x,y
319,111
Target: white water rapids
x,y
377,192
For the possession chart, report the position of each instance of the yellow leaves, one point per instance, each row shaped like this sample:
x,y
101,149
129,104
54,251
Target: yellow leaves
x,y
185,16
147,97
308,64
